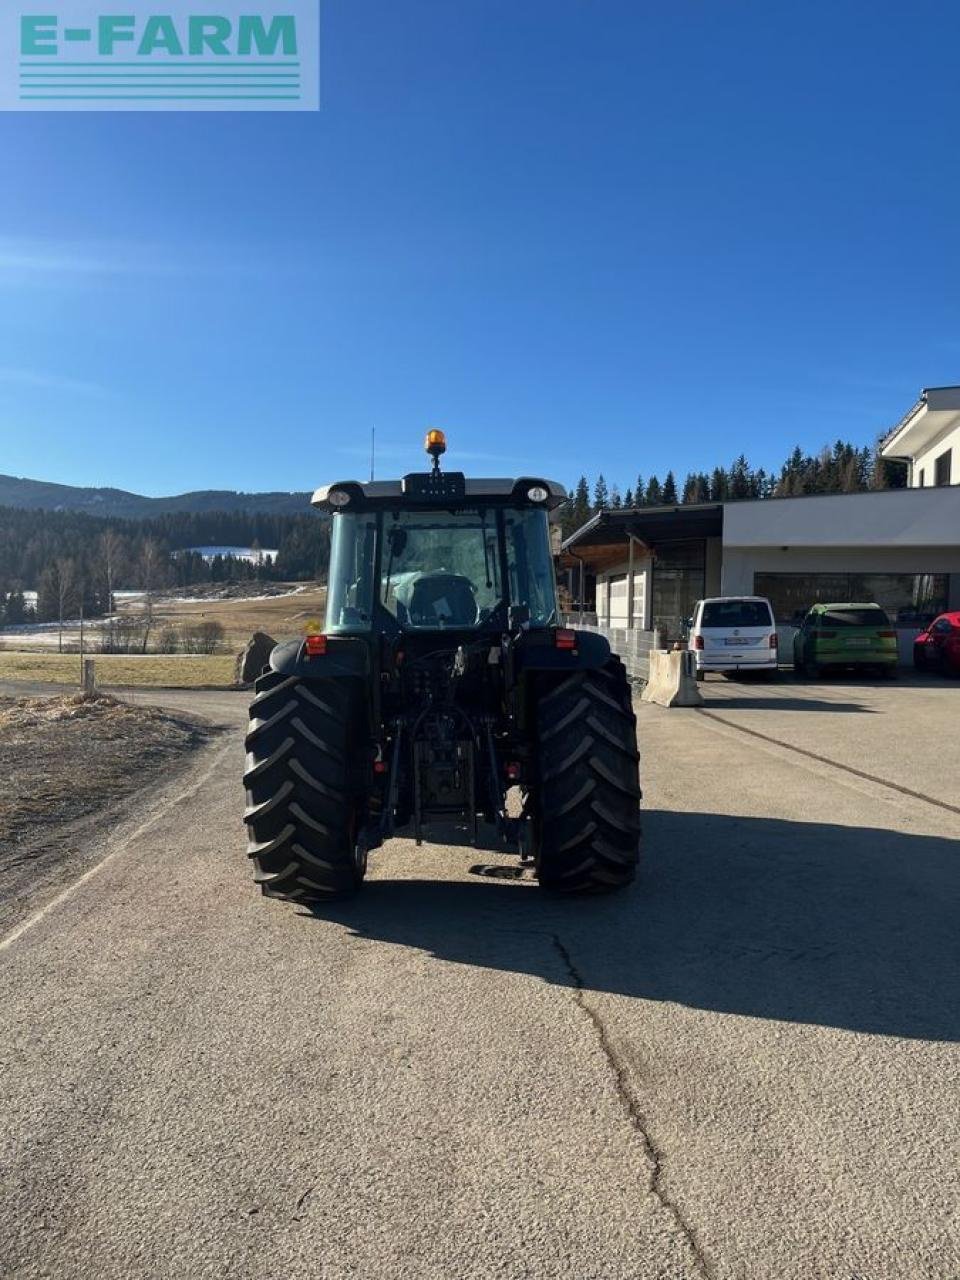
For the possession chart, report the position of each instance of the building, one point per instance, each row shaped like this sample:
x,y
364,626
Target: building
x,y
644,568
927,438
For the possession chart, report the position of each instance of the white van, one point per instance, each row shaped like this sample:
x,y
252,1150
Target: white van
x,y
733,633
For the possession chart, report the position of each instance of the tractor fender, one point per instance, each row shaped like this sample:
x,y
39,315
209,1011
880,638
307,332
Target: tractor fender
x,y
590,652
345,656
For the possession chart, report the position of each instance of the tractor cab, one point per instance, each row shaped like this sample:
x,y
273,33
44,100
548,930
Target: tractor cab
x,y
437,552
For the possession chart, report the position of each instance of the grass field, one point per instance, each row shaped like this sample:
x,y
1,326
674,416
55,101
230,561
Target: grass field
x,y
151,670
282,617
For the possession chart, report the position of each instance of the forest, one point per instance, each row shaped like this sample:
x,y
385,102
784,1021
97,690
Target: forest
x,y
842,468
76,561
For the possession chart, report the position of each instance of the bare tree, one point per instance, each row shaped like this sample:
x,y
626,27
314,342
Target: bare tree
x,y
111,550
64,584
151,566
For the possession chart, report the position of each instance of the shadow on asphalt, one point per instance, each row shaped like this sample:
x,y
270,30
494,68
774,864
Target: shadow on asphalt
x,y
844,927
771,702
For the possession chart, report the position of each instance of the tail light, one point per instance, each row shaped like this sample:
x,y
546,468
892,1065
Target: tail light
x,y
887,635
565,639
316,646
773,640
826,635
698,642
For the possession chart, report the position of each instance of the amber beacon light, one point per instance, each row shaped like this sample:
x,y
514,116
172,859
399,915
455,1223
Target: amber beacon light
x,y
435,443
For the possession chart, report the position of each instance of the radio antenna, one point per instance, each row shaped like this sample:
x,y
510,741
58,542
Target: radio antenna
x,y
373,449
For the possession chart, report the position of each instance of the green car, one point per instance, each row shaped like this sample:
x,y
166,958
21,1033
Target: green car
x,y
845,635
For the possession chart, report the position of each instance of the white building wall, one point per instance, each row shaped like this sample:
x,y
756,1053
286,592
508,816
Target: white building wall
x,y
893,518
924,464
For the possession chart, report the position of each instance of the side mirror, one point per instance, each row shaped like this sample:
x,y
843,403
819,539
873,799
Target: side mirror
x,y
517,616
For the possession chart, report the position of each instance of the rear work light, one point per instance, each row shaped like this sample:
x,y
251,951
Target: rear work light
x,y
565,639
698,642
887,635
773,640
316,646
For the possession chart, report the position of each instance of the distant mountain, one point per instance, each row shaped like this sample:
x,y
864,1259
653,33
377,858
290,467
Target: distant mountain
x,y
39,495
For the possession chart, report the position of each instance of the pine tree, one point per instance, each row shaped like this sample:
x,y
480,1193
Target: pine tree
x,y
669,495
719,485
639,489
601,499
616,502
628,498
578,512
654,494
739,486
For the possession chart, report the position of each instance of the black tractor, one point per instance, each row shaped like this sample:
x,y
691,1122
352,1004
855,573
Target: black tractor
x,y
441,682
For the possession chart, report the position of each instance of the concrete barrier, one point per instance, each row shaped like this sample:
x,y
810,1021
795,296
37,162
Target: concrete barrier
x,y
673,681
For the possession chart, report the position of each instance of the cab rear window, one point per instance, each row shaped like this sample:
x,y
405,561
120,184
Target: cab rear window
x,y
736,613
854,618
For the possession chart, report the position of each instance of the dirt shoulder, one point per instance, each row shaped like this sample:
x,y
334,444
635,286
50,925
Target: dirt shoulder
x,y
69,766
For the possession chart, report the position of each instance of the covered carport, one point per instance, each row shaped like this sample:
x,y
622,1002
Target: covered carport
x,y
643,568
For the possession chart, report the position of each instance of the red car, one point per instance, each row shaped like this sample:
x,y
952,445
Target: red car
x,y
938,648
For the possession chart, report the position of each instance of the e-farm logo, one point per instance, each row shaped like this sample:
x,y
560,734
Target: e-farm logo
x,y
86,57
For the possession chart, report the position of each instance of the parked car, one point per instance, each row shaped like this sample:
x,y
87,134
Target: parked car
x,y
733,633
845,635
938,648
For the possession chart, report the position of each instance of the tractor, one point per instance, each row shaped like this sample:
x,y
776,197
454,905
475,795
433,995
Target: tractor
x,y
441,697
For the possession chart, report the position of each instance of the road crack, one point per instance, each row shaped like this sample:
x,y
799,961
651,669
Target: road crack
x,y
297,1215
634,1113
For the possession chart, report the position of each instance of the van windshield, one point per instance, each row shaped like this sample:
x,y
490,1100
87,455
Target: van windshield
x,y
736,613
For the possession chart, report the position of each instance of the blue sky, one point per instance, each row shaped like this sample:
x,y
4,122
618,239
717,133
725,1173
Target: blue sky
x,y
627,236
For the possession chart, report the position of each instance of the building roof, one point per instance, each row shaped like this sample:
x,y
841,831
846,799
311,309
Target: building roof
x,y
606,536
933,413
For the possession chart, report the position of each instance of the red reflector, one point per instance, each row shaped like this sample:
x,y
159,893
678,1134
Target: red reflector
x,y
773,640
316,646
379,766
565,639
698,642
513,770
887,635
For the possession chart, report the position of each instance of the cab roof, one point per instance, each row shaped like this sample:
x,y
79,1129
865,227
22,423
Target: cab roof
x,y
456,490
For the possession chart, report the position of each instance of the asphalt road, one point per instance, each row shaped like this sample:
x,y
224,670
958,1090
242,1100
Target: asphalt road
x,y
746,1067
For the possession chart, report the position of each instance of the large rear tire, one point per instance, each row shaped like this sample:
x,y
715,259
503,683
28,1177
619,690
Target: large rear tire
x,y
302,809
587,815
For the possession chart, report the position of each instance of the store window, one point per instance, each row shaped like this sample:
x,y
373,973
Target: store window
x,y
910,599
679,578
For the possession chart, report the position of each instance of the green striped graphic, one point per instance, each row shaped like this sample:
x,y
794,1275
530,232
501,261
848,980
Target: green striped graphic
x,y
166,62
156,97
